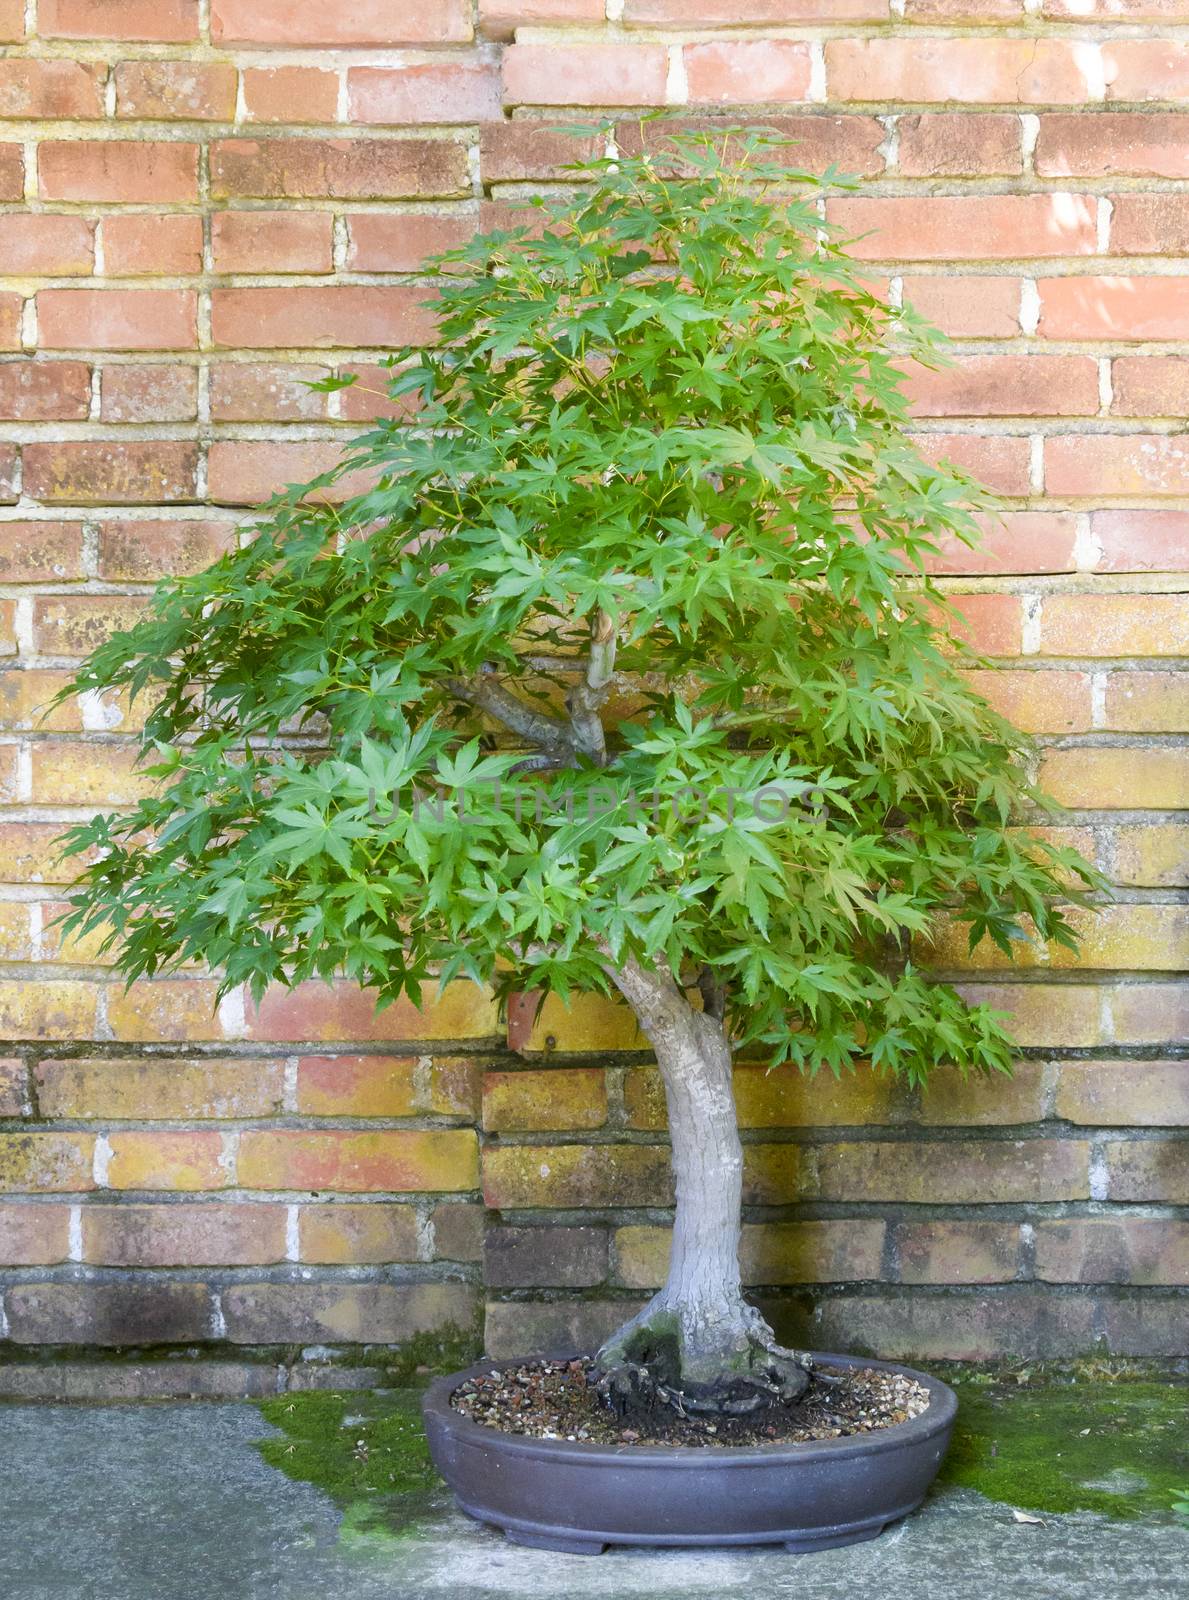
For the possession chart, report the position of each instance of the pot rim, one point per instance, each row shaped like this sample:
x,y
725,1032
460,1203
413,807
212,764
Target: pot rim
x,y
937,1417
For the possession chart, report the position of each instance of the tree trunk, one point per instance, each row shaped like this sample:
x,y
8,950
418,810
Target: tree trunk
x,y
697,1344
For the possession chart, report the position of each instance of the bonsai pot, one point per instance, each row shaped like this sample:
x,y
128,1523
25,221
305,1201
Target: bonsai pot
x,y
559,1494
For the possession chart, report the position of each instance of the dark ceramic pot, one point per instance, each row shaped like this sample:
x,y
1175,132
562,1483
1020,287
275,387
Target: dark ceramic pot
x,y
560,1495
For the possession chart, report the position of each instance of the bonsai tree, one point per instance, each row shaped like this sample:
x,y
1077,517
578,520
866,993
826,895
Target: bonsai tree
x,y
622,671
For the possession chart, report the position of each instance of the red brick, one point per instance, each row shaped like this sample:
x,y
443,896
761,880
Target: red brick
x,y
1112,1250
11,310
513,151
1151,1094
957,1252
211,1233
1150,386
143,551
348,1234
956,144
166,1160
246,472
401,242
1148,1170
117,319
342,1161
1038,702
343,1011
499,19
290,94
1006,386
154,21
252,392
12,172
1153,855
991,623
967,308
743,71
1000,462
137,1089
189,91
359,169
50,89
1149,144
585,74
1150,224
454,91
46,1163
12,21
1016,542
732,13
1146,69
46,245
1140,541
272,241
986,71
122,171
850,142
964,10
34,1235
956,1172
1114,308
1118,779
140,244
150,393
112,472
45,391
368,397
357,1086
1043,1014
344,315
340,22
1114,10
1147,702
966,227
1152,1013
1090,465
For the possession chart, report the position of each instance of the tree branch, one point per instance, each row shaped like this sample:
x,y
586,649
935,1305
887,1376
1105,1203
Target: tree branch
x,y
585,698
538,727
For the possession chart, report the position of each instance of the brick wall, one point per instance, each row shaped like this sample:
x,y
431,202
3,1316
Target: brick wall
x,y
203,202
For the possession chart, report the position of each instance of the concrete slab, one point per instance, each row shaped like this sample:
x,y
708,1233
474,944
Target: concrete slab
x,y
172,1502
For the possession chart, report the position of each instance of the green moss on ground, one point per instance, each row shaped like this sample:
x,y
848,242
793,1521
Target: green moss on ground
x,y
1118,1448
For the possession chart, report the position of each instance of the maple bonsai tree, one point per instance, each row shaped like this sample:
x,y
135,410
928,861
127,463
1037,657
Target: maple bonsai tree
x,y
623,672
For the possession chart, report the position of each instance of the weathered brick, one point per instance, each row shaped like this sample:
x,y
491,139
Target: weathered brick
x,y
770,1253
991,623
24,698
955,143
1144,1323
1006,386
28,853
743,71
345,314
534,1258
850,141
141,244
161,1159
511,1327
956,1172
246,472
14,1100
1149,144
1009,1322
35,1235
983,1100
965,227
957,1252
354,169
113,1314
120,171
1042,1014
1148,1170
357,1086
1113,1250
1114,779
154,392
1037,702
111,471
1147,702
190,91
43,244
392,1161
12,21
999,461
1150,224
400,242
142,551
1152,854
782,1098
447,92
347,1234
988,71
44,391
1150,386
340,22
50,89
12,308
1149,1013
1145,69
244,391
117,319
318,1011
179,1010
354,1313
41,552
1114,624
46,1009
290,94
588,1022
565,1176
981,307
1113,308
76,624
499,19
728,13
153,21
1122,1093
534,1101
457,1231
46,1163
272,241
1124,937
151,1089
208,1233
584,74
454,1087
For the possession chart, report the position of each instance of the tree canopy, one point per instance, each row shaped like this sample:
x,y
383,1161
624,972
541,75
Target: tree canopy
x,y
647,537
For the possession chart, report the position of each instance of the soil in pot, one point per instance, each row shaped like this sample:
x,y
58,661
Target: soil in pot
x,y
557,1400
